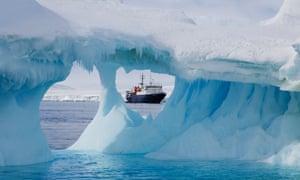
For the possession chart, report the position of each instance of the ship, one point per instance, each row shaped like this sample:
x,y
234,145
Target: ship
x,y
149,93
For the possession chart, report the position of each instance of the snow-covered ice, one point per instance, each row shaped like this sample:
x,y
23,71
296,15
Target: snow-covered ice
x,y
236,93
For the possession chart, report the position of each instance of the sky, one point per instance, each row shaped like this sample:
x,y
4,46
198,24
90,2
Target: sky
x,y
249,9
82,82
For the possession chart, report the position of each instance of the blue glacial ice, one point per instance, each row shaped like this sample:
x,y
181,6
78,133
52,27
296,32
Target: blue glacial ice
x,y
236,94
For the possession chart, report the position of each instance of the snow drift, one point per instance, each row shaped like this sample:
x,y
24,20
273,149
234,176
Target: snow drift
x,y
236,94
287,15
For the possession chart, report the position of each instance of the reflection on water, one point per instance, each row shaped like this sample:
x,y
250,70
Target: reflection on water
x,y
92,165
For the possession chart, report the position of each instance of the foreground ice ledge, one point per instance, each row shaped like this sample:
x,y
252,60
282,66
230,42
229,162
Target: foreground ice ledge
x,y
240,112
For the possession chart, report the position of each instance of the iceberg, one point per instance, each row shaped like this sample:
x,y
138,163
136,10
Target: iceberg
x,y
236,94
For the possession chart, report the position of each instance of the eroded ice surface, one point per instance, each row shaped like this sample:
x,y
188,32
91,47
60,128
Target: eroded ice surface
x,y
236,93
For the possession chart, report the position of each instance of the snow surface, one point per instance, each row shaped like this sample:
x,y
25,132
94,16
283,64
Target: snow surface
x,y
236,84
288,14
29,18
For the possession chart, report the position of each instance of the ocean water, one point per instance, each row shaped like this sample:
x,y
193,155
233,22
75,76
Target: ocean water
x,y
63,122
92,165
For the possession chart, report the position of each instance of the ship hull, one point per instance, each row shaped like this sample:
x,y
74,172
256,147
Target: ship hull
x,y
146,98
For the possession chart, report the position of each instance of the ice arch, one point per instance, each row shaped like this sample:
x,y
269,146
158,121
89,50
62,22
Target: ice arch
x,y
204,119
235,119
29,66
227,101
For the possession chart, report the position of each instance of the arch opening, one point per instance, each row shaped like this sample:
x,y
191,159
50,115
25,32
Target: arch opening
x,y
127,81
69,106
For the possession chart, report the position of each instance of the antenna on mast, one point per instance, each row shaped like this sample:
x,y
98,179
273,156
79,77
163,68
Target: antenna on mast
x,y
151,80
142,78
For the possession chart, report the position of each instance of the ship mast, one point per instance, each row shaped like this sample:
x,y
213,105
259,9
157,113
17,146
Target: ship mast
x,y
142,82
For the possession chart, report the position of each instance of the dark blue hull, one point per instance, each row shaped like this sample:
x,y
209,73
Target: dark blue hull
x,y
147,98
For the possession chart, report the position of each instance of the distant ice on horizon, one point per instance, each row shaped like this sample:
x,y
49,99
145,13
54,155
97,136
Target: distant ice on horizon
x,y
85,86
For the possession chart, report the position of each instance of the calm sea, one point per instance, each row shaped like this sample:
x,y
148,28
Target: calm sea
x,y
63,122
